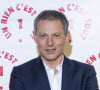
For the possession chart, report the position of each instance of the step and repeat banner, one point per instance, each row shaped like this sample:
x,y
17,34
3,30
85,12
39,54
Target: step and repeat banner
x,y
17,43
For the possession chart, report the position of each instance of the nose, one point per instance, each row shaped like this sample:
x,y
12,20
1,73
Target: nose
x,y
50,41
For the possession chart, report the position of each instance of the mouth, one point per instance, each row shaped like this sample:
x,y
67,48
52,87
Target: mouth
x,y
50,51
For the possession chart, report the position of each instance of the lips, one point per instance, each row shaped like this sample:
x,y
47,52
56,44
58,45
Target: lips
x,y
50,51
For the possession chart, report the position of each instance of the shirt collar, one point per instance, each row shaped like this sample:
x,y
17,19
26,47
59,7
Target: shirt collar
x,y
58,67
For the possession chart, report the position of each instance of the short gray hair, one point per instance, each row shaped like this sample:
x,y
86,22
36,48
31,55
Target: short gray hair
x,y
52,15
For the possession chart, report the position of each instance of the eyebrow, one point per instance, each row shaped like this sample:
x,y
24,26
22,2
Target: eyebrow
x,y
47,34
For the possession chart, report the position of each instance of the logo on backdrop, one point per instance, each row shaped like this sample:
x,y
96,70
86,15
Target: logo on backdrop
x,y
1,74
18,8
8,56
93,58
1,88
72,7
1,70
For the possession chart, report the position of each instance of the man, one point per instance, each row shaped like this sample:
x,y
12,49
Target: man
x,y
52,70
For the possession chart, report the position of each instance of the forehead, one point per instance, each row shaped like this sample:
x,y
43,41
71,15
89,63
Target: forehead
x,y
50,26
50,21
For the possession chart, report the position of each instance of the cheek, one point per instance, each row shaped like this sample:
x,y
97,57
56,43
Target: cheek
x,y
41,44
60,43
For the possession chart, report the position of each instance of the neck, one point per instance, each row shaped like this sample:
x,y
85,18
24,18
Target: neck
x,y
53,63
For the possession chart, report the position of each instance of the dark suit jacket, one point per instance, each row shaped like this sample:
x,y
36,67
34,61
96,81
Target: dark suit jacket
x,y
32,76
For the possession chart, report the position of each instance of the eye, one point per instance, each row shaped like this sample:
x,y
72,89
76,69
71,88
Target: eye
x,y
43,35
56,35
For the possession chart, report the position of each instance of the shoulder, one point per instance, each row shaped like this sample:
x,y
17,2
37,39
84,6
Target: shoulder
x,y
76,63
31,63
78,66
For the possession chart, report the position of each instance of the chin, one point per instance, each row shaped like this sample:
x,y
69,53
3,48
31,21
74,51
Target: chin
x,y
50,58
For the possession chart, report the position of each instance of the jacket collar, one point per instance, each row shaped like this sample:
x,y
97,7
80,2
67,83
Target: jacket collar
x,y
66,74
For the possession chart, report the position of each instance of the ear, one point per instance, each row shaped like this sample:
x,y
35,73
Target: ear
x,y
34,35
68,37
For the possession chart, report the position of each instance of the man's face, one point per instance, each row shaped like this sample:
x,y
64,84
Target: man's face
x,y
50,39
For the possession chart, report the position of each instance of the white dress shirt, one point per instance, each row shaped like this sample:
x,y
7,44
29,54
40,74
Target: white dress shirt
x,y
55,79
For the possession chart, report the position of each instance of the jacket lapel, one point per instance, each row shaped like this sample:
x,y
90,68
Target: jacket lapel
x,y
41,75
66,75
42,79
